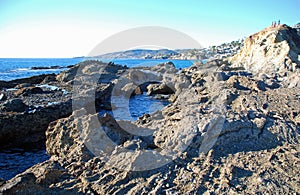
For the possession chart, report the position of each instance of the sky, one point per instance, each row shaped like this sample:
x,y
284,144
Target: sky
x,y
70,28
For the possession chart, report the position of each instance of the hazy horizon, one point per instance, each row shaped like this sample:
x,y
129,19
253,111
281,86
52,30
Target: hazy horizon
x,y
65,29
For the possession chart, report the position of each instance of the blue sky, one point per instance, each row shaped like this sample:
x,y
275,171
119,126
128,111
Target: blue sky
x,y
53,28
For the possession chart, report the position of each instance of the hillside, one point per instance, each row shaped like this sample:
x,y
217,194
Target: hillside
x,y
139,54
274,49
213,52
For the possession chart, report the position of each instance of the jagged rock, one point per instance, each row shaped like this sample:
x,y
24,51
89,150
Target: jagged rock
x,y
23,128
48,79
70,141
67,75
274,49
159,89
19,183
38,180
101,71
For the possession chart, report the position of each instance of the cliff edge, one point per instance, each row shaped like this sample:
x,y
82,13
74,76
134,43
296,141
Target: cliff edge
x,y
274,49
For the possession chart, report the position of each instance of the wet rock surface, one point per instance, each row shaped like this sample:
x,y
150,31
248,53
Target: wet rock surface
x,y
227,130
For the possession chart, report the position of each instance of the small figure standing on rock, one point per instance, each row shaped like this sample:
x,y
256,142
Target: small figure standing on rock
x,y
278,22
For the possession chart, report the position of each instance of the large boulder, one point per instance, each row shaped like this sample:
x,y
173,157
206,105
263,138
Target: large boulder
x,y
21,127
103,72
80,133
159,89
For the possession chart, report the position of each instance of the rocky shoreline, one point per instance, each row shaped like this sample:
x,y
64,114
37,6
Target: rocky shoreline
x,y
232,126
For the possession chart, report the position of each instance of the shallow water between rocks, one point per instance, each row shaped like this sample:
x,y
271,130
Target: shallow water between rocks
x,y
17,160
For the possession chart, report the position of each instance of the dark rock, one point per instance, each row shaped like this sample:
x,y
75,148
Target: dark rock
x,y
29,91
144,119
261,85
31,80
39,68
14,105
19,129
70,66
48,79
23,85
2,181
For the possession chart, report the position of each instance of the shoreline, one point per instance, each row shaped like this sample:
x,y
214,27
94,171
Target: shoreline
x,y
232,125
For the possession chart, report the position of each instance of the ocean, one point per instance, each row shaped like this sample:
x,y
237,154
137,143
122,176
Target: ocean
x,y
16,68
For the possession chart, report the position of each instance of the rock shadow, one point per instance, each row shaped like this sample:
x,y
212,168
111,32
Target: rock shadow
x,y
245,136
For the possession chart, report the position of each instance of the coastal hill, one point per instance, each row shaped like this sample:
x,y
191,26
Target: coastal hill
x,y
213,52
273,49
232,126
139,54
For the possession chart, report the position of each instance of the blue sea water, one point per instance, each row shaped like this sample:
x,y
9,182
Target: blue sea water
x,y
138,105
16,68
150,62
17,160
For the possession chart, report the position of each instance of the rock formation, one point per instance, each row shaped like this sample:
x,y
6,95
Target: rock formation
x,y
232,127
272,50
28,105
